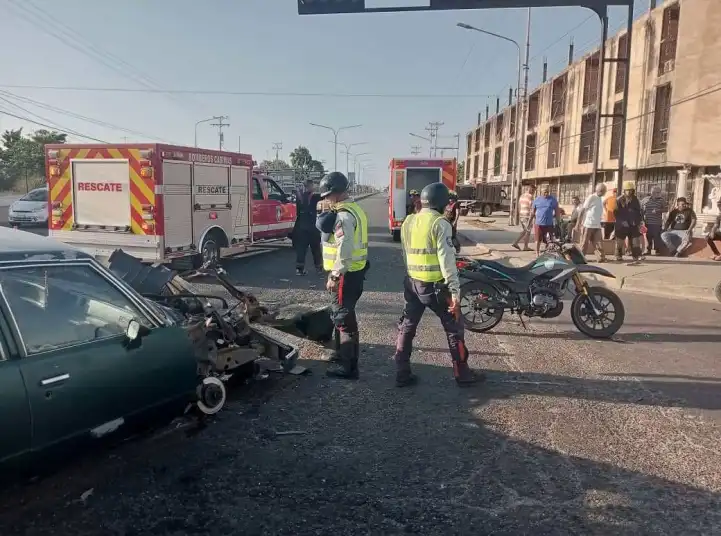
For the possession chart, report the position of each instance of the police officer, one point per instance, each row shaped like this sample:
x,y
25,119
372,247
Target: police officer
x,y
345,255
432,282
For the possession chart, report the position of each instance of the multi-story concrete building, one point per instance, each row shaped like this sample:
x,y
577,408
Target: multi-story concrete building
x,y
673,135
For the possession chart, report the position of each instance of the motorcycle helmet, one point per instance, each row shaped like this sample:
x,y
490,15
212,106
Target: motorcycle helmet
x,y
333,183
413,193
435,196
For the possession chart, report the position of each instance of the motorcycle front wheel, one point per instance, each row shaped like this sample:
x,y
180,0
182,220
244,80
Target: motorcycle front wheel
x,y
603,325
717,291
478,315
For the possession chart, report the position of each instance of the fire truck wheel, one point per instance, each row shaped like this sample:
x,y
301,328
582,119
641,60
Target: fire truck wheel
x,y
396,236
210,251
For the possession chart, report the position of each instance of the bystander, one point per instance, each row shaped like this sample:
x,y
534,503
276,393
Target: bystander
x,y
652,209
678,230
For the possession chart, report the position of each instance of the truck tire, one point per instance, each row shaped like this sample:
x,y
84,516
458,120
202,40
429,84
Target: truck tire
x,y
210,251
486,211
396,236
464,212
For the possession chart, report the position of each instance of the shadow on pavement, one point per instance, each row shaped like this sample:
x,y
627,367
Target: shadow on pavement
x,y
622,337
366,458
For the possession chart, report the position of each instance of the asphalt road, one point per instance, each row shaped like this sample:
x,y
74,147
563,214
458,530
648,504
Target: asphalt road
x,y
567,436
41,230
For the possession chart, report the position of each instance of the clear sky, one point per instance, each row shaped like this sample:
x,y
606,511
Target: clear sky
x,y
252,47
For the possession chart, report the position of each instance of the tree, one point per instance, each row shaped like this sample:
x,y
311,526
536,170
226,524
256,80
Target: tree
x,y
461,172
301,159
23,157
274,164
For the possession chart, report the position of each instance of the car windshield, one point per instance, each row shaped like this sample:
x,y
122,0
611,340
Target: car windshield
x,y
41,194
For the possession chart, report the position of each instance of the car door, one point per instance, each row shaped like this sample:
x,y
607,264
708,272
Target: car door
x,y
281,208
15,422
261,209
79,372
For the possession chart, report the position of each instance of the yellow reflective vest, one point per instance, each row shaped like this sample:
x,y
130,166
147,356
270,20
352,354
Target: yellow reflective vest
x,y
421,247
360,239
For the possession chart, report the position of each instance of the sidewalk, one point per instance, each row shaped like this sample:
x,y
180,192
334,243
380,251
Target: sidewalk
x,y
693,279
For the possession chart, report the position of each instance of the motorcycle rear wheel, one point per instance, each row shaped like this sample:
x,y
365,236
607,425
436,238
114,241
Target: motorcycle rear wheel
x,y
580,316
469,294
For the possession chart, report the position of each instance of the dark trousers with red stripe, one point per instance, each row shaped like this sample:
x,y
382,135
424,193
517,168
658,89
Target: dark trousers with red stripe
x,y
343,314
419,296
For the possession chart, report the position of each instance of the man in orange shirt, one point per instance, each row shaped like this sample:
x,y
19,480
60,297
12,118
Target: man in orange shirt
x,y
608,222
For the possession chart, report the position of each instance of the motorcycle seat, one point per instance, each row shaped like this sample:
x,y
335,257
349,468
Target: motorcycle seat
x,y
507,268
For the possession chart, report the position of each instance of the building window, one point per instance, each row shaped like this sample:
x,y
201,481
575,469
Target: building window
x,y
475,166
485,164
669,37
497,161
469,143
554,147
559,89
511,157
487,135
572,187
661,116
534,106
590,80
499,127
512,123
530,163
477,142
621,66
587,138
616,127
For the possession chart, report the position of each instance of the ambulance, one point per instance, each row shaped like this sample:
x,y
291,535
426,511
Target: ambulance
x,y
414,174
162,203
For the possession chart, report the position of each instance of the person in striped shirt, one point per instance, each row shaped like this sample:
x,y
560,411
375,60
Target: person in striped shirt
x,y
525,216
652,209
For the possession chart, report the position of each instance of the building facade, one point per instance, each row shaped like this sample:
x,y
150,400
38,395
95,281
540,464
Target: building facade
x,y
673,133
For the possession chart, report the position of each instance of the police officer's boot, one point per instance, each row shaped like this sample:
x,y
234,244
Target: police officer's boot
x,y
335,356
347,365
404,376
464,375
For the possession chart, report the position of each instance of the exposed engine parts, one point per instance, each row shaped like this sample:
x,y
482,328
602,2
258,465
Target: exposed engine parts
x,y
227,332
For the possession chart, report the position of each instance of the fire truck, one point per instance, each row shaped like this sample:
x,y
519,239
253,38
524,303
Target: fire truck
x,y
162,203
414,174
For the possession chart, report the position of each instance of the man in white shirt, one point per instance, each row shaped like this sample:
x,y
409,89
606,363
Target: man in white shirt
x,y
590,217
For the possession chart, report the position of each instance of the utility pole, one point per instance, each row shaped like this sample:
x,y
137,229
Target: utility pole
x,y
277,147
432,130
220,126
415,150
521,126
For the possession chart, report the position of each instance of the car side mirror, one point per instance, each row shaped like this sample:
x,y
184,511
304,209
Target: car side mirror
x,y
135,331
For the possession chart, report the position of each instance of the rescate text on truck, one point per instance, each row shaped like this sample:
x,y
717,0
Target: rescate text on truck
x,y
161,202
414,174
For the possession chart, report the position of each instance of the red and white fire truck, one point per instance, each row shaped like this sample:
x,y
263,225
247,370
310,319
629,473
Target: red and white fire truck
x,y
414,174
161,202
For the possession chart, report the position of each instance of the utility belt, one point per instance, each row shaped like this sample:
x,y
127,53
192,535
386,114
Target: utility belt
x,y
440,288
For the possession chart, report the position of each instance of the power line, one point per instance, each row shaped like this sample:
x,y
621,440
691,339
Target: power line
x,y
250,93
44,125
37,17
81,117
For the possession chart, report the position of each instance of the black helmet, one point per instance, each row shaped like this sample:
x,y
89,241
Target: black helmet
x,y
333,183
435,196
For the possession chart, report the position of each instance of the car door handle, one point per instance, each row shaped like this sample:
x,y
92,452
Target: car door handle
x,y
55,379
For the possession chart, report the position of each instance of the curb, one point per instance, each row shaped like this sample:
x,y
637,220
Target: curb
x,y
627,283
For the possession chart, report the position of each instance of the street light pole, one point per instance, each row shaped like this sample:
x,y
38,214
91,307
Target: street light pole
x,y
335,132
521,98
347,147
430,141
217,117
